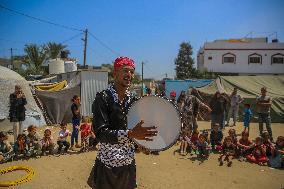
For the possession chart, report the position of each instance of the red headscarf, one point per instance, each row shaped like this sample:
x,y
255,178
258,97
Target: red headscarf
x,y
123,61
173,93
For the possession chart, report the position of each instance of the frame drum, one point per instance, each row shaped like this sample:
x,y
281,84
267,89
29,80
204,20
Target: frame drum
x,y
158,112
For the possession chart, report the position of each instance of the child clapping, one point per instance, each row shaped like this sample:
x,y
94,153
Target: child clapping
x,y
244,145
229,151
20,146
33,141
202,147
47,142
259,152
62,139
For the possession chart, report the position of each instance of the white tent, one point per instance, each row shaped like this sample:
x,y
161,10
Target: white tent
x,y
8,80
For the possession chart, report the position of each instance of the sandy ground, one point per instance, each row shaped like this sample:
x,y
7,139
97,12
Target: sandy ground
x,y
167,170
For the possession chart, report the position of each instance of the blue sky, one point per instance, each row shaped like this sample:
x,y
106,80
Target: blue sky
x,y
146,30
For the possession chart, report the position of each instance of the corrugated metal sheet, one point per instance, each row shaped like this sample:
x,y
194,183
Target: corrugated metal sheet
x,y
91,83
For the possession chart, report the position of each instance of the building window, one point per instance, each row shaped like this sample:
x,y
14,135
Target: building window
x,y
255,58
209,57
68,76
277,59
229,58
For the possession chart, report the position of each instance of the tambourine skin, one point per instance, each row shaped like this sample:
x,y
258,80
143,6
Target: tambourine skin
x,y
161,113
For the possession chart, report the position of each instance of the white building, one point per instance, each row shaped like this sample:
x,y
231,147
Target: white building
x,y
242,56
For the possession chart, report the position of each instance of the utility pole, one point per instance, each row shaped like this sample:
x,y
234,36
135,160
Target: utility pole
x,y
11,49
85,46
142,76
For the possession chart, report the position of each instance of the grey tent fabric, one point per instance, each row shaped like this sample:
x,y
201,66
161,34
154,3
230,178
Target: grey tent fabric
x,y
249,88
85,83
58,103
8,80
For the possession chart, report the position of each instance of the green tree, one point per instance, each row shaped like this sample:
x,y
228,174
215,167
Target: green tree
x,y
35,56
184,62
53,49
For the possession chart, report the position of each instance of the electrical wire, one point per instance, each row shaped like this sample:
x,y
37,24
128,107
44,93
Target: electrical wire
x,y
107,60
104,45
39,19
71,38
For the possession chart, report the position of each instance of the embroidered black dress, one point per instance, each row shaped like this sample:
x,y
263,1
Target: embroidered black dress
x,y
115,165
17,108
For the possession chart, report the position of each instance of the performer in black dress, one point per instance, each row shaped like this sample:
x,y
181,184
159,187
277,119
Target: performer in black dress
x,y
115,165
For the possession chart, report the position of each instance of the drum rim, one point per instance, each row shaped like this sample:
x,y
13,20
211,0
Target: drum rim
x,y
179,117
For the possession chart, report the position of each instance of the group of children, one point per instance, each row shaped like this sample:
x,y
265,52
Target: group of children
x,y
262,151
32,145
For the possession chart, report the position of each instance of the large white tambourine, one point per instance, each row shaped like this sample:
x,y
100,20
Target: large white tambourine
x,y
158,112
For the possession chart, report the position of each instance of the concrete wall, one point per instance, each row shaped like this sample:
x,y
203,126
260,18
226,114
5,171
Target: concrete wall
x,y
241,51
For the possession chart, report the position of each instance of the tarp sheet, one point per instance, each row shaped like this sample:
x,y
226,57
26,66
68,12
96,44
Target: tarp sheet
x,y
249,88
58,103
180,85
52,87
85,83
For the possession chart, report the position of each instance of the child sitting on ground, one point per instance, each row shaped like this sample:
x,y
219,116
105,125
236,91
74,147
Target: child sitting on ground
x,y
184,143
258,154
277,158
233,135
216,137
6,151
202,147
268,144
191,141
194,136
85,129
228,151
47,142
206,135
244,145
62,139
33,141
20,146
247,116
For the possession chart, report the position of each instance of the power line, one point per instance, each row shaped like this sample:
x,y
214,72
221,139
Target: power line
x,y
39,19
71,38
104,45
107,59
